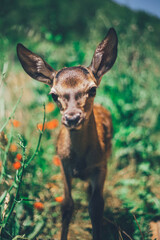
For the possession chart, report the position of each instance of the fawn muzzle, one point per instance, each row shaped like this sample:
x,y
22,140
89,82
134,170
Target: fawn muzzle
x,y
72,120
83,152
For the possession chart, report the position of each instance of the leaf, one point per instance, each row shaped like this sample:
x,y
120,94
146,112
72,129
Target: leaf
x,y
18,237
27,222
145,167
36,230
2,197
16,226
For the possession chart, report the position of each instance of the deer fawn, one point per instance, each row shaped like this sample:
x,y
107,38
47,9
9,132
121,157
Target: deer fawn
x,y
84,141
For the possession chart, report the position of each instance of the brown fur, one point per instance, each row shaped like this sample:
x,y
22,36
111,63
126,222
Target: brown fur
x,y
80,146
84,141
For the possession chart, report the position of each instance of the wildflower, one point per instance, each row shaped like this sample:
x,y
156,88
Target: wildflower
x,y
19,156
59,199
52,124
16,123
49,125
16,165
49,107
56,160
39,205
40,126
13,147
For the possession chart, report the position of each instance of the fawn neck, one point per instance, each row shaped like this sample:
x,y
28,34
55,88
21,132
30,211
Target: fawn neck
x,y
81,139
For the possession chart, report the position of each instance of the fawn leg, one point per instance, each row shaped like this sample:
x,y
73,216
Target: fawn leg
x,y
96,205
67,204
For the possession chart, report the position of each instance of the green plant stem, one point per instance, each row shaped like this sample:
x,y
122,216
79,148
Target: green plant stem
x,y
6,193
18,177
14,109
118,229
11,187
16,197
21,173
3,173
39,140
138,227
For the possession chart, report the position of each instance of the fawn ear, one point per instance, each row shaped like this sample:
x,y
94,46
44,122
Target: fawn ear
x,y
105,55
35,66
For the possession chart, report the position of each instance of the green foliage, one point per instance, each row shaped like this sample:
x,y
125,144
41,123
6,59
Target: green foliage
x,y
58,31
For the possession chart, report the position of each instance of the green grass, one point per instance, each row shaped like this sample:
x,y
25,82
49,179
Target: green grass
x,y
130,91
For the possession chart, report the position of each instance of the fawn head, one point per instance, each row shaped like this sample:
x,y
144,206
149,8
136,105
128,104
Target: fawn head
x,y
73,88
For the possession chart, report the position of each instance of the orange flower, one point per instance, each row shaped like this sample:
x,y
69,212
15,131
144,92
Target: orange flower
x,y
59,199
13,147
40,126
19,156
56,160
49,107
52,124
49,125
16,123
39,205
16,165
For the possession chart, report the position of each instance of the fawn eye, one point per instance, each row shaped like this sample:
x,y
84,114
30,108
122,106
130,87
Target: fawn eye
x,y
55,97
92,92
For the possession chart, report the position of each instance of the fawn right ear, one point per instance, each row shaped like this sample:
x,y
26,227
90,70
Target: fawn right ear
x,y
105,55
35,66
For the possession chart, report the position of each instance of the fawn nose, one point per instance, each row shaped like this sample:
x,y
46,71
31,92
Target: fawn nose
x,y
72,120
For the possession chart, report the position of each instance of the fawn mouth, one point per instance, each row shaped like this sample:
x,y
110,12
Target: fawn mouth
x,y
73,127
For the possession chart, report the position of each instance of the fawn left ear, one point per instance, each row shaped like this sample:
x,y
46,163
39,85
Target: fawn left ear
x,y
105,55
35,66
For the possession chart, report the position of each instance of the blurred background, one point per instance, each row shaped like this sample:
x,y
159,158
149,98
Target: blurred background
x,y
66,33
